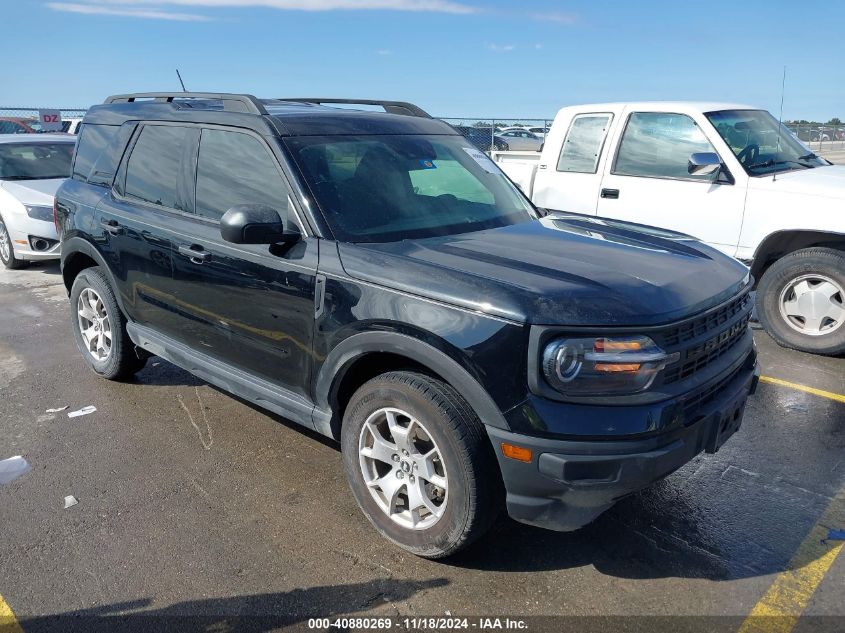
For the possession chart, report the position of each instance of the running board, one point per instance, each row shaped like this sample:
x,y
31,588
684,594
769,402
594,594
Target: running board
x,y
236,381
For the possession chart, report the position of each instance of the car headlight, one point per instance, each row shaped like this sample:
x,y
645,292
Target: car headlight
x,y
38,212
600,366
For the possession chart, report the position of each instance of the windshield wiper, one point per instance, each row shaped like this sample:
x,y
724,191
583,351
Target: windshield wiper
x,y
772,163
810,156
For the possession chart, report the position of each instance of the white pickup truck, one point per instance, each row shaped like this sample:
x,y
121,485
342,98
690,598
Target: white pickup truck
x,y
728,175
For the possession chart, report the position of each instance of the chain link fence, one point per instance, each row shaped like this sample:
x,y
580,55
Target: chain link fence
x,y
27,120
486,133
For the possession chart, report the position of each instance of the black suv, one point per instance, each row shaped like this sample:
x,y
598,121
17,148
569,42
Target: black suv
x,y
375,277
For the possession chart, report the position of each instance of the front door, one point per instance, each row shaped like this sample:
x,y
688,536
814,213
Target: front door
x,y
649,183
251,305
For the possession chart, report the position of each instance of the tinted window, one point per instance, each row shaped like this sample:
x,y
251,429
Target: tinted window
x,y
233,169
659,145
93,139
583,143
154,171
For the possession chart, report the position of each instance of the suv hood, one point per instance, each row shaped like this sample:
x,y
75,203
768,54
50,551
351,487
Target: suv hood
x,y
561,270
33,192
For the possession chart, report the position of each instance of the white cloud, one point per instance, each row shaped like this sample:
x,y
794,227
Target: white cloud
x,y
385,52
130,12
501,48
436,6
538,46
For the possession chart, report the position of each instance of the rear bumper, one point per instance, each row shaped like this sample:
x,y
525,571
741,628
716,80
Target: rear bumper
x,y
569,483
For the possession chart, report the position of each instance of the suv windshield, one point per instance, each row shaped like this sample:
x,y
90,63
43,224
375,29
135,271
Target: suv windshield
x,y
753,137
389,188
35,161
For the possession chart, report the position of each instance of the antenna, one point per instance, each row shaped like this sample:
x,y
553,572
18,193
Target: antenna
x,y
780,116
180,81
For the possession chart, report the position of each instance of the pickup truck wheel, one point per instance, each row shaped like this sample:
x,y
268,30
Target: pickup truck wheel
x,y
419,463
99,327
801,301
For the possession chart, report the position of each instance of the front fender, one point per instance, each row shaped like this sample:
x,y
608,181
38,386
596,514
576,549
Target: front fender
x,y
341,358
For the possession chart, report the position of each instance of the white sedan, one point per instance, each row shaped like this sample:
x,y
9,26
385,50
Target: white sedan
x,y
32,166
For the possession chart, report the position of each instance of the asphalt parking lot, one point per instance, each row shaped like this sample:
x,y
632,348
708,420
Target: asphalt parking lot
x,y
191,502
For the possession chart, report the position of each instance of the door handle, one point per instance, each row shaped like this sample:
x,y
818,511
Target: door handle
x,y
111,226
610,194
195,253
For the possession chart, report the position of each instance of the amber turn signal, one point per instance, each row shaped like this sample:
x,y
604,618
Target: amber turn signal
x,y
518,453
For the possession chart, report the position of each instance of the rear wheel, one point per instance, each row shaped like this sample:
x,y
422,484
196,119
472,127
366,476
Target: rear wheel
x,y
420,464
7,251
801,301
99,327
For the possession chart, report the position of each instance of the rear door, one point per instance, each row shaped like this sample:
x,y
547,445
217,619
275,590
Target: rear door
x,y
132,223
572,181
250,305
648,181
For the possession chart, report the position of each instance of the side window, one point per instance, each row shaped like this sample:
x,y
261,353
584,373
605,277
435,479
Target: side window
x,y
583,143
658,145
235,168
155,171
93,139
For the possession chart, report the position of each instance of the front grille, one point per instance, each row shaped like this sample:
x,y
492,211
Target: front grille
x,y
705,339
695,328
701,399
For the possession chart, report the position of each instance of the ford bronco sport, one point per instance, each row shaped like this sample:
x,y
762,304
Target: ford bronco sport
x,y
373,276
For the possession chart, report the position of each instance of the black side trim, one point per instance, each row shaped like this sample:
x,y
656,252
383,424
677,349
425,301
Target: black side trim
x,y
235,381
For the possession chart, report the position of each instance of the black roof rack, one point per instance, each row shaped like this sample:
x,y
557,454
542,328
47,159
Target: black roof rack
x,y
391,107
231,102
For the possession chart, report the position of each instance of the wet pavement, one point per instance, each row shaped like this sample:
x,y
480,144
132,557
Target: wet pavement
x,y
193,502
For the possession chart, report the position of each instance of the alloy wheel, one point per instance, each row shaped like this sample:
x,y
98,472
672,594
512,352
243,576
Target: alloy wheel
x,y
5,253
813,304
94,324
403,468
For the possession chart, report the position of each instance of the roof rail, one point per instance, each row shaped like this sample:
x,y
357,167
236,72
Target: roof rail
x,y
231,102
391,107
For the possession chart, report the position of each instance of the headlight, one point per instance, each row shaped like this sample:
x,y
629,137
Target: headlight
x,y
37,212
599,366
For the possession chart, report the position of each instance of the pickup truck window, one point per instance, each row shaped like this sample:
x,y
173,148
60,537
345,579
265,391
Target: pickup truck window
x,y
583,144
374,188
658,145
754,139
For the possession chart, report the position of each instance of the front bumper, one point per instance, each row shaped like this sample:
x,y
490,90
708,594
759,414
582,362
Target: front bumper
x,y
25,230
569,483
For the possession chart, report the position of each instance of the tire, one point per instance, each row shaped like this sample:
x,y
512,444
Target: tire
x,y
463,463
7,250
810,325
107,330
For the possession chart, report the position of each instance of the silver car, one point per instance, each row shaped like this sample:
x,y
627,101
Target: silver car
x,y
521,140
32,166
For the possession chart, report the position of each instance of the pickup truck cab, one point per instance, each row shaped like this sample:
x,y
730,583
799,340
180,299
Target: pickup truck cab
x,y
374,277
726,174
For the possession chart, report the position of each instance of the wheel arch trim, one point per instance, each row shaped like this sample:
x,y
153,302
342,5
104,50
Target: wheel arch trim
x,y
802,238
345,354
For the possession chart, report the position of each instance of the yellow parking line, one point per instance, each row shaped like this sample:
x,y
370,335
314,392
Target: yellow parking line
x,y
8,621
779,609
792,385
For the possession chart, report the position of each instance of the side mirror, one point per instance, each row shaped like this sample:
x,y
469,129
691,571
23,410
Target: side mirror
x,y
255,224
704,163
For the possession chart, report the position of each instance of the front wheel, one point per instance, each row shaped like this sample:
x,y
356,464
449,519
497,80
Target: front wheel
x,y
99,327
419,463
801,301
7,251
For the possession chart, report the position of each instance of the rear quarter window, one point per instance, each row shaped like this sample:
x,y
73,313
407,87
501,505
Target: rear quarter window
x,y
93,140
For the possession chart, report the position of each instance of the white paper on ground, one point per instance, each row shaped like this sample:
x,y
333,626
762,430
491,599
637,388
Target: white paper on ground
x,y
12,468
82,411
70,501
56,410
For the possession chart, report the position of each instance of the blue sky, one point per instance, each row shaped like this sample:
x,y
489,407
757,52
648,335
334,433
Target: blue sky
x,y
460,58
